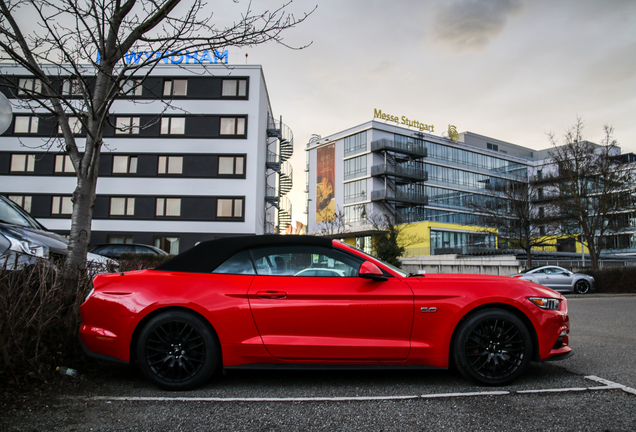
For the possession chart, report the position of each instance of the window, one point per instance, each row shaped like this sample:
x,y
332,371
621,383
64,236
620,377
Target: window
x,y
172,125
62,205
63,164
355,191
132,87
231,165
365,244
241,263
355,167
494,147
124,164
75,124
234,87
170,207
355,213
168,244
355,143
170,165
29,86
305,261
127,126
122,206
229,208
26,125
22,163
72,87
175,87
232,125
120,239
23,201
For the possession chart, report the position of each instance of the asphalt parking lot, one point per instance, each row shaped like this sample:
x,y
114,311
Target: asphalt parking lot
x,y
595,390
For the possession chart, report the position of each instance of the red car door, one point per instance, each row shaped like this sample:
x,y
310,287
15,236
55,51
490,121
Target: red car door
x,y
340,317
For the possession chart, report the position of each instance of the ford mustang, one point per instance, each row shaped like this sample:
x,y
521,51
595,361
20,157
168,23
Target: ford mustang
x,y
310,302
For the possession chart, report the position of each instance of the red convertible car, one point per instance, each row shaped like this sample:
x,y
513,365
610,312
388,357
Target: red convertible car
x,y
309,302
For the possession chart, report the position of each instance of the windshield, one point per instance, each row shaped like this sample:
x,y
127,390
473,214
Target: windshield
x,y
395,269
13,214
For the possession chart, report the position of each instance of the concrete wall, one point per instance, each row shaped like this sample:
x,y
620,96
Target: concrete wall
x,y
502,265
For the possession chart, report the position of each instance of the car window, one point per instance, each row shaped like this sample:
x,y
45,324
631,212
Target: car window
x,y
539,271
304,261
557,271
240,263
144,249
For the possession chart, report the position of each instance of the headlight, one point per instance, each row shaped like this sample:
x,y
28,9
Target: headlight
x,y
546,303
21,245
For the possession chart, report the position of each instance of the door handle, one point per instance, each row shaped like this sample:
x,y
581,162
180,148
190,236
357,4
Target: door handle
x,y
271,294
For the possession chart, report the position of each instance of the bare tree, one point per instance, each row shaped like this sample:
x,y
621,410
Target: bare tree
x,y
391,239
335,226
591,188
516,210
84,42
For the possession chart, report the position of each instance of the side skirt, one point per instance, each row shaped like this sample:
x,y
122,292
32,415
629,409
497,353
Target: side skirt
x,y
295,366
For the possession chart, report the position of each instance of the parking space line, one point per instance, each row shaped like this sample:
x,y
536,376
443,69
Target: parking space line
x,y
446,395
559,390
607,385
611,384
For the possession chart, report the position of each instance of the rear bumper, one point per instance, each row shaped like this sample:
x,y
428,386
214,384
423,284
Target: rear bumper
x,y
100,356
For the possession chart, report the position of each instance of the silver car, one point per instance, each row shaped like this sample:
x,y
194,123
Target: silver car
x,y
559,279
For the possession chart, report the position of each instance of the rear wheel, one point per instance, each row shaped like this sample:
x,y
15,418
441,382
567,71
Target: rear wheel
x,y
581,287
492,347
177,350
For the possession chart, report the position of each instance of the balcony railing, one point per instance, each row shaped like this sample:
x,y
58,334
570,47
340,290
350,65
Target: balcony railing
x,y
400,196
398,171
410,148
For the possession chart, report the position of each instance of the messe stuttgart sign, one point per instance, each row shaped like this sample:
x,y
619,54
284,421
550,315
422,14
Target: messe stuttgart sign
x,y
174,57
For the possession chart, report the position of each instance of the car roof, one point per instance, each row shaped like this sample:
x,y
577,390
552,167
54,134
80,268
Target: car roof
x,y
210,254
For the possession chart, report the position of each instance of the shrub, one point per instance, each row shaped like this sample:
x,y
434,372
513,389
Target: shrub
x,y
38,326
614,279
139,261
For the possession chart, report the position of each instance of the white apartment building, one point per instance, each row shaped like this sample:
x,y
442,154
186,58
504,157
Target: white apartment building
x,y
191,153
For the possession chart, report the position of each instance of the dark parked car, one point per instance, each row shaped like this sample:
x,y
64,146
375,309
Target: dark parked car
x,y
114,250
23,239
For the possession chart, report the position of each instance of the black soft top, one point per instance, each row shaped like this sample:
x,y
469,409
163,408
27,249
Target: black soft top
x,y
208,255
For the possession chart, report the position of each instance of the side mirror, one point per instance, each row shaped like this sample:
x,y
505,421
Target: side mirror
x,y
368,270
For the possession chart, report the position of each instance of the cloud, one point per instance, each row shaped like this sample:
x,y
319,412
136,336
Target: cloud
x,y
470,25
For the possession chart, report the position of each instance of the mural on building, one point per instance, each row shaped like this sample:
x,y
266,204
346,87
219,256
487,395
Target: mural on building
x,y
325,180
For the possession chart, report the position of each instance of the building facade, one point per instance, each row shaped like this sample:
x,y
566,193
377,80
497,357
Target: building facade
x,y
190,153
359,177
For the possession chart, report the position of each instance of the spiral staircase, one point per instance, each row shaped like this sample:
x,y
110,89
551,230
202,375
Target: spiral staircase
x,y
279,149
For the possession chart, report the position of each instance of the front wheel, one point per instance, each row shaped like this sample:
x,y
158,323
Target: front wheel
x,y
177,350
492,347
581,287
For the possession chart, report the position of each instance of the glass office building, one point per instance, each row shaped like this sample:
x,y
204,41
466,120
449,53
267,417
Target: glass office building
x,y
379,169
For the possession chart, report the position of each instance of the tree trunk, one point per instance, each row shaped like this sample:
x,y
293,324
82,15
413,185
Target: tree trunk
x,y
75,264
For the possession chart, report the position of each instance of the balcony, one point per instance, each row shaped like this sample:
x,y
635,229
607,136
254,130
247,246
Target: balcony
x,y
398,171
409,197
411,149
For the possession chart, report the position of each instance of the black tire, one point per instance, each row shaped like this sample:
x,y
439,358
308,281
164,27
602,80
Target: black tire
x,y
177,350
492,347
581,286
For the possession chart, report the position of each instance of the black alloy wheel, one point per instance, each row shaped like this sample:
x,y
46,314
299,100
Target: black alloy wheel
x,y
492,347
581,286
177,350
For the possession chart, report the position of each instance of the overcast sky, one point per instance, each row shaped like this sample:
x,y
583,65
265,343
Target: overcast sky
x,y
508,69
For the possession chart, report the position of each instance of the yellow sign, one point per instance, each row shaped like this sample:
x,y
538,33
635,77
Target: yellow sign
x,y
402,120
452,133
